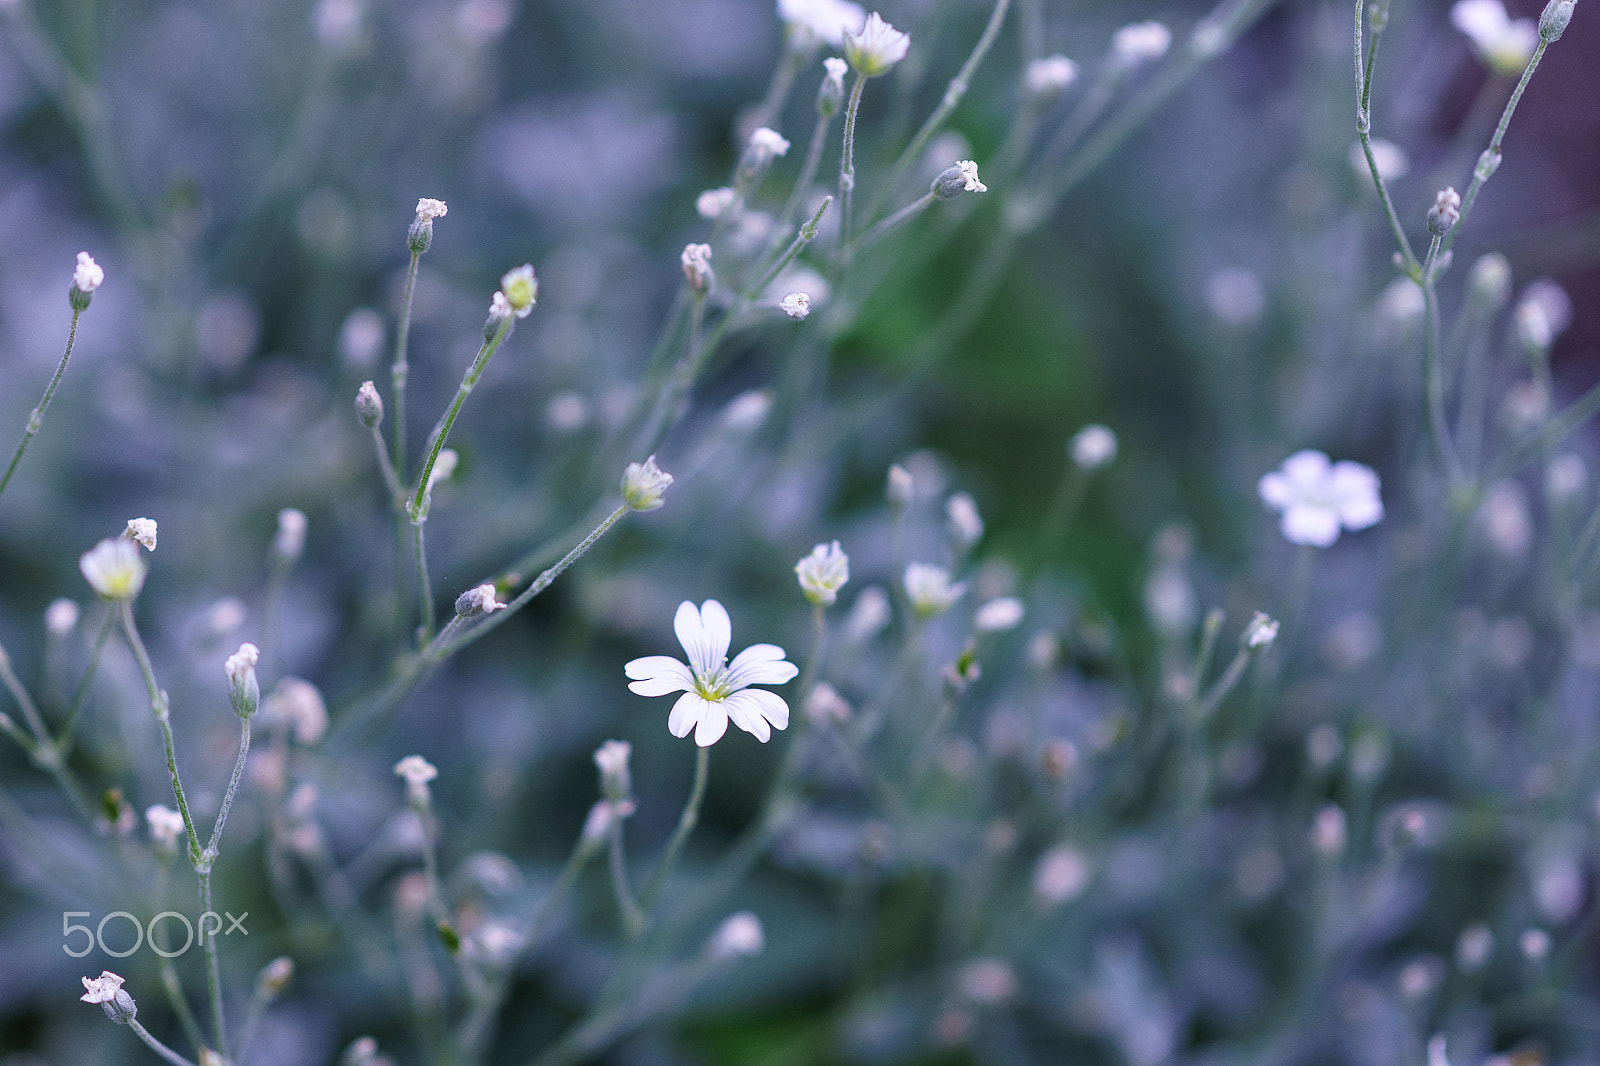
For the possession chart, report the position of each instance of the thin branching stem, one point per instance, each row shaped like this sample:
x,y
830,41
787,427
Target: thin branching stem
x,y
36,416
1365,58
680,836
401,368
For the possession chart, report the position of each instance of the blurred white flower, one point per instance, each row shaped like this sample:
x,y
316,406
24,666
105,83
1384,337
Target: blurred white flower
x,y
826,21
1393,162
871,613
1261,631
876,48
747,411
1400,308
824,705
966,525
715,690
289,542
823,573
1542,314
644,485
166,826
1061,875
297,704
930,590
444,467
87,276
417,772
901,490
337,22
114,569
361,337
430,209
142,531
1235,296
999,615
767,144
1094,447
61,617
988,982
1049,76
1328,831
1507,520
797,305
1566,476
611,759
1473,947
1139,43
714,203
696,263
1504,44
739,935
1317,498
1535,944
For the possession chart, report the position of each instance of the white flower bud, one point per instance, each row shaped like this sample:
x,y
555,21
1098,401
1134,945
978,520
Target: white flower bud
x,y
87,276
520,290
61,617
289,543
1553,21
275,975
1062,875
1259,633
1446,212
765,145
696,261
747,411
1049,76
999,616
877,48
823,573
902,489
644,485
869,615
444,467
930,590
1328,833
830,94
1490,280
739,935
369,405
616,783
966,525
988,982
166,826
1392,160
420,236
1473,948
1093,447
714,203
814,22
824,705
142,531
478,601
244,691
953,181
1139,43
797,305
417,772
114,569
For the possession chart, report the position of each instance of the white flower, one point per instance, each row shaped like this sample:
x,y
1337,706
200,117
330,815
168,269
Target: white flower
x,y
1318,498
1328,831
499,308
644,485
930,590
87,276
715,690
957,179
1139,43
969,176
1393,161
870,614
1543,314
1260,632
824,705
428,210
1050,75
102,989
142,531
1094,447
1400,309
417,772
62,616
444,467
833,69
769,142
290,540
827,21
901,489
1061,875
998,616
521,290
714,203
823,573
797,305
166,826
747,411
476,601
966,525
611,758
739,934
114,569
1504,44
696,262
597,824
297,704
876,48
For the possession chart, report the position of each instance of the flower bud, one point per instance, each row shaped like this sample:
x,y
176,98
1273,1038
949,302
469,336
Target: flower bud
x,y
714,203
823,573
61,617
1490,281
369,405
106,990
289,543
930,590
644,485
478,601
739,935
830,94
1260,633
244,692
1446,212
1553,22
87,276
696,260
420,236
1093,447
963,177
417,772
616,783
1047,78
274,978
902,490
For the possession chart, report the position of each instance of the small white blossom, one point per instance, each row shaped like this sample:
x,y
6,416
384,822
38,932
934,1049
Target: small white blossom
x,y
715,690
768,143
1062,874
1400,309
520,289
930,590
477,601
61,617
969,176
1139,43
88,275
611,758
966,525
797,305
1566,476
1542,314
289,543
244,691
999,616
1236,297
337,22
1504,44
428,209
1317,498
597,824
1473,947
166,826
714,203
1094,447
833,69
1328,832
1260,632
877,48
274,977
739,935
747,411
417,772
114,569
102,989
296,703
1393,161
644,485
824,705
1050,75
1535,944
869,615
696,262
957,179
823,573
824,21
902,489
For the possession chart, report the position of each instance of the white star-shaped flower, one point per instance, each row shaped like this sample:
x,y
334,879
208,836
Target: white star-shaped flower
x,y
715,690
1318,498
1504,44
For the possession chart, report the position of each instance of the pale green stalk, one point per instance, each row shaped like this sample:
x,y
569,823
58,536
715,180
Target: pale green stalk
x,y
847,164
425,606
80,695
401,369
157,1046
391,479
585,1041
808,174
893,222
441,432
1364,64
633,918
686,823
36,416
1225,684
1438,420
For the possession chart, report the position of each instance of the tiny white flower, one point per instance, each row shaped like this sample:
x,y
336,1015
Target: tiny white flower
x,y
824,21
114,569
289,543
520,289
1504,44
747,411
1328,831
429,209
824,705
142,531
1094,447
930,590
166,826
769,143
337,22
869,615
644,485
999,616
715,690
88,275
1139,43
714,203
1535,944
833,69
297,703
902,489
1436,1051
1542,314
966,525
1393,161
739,935
1236,297
1062,874
61,617
1566,476
1050,75
969,176
1490,280
876,48
1400,309
823,573
477,601
1317,498
696,262
1473,947
417,772
1260,632
611,758
797,305
102,989
274,977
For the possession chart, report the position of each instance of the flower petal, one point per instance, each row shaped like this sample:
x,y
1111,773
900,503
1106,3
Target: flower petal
x,y
754,702
1356,494
692,635
718,630
1275,490
686,714
746,714
1306,470
1311,524
713,723
760,664
657,675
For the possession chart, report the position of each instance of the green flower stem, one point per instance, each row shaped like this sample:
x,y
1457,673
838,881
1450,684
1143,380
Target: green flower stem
x,y
600,1029
847,164
1482,174
634,919
170,983
1438,420
39,746
425,606
15,732
391,479
233,788
36,416
80,695
953,94
686,823
157,1046
400,370
893,222
159,706
30,712
441,432
1554,432
219,1025
1365,59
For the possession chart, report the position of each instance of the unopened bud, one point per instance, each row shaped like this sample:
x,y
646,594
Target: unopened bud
x,y
244,692
274,978
420,236
1446,212
1553,22
616,783
963,177
289,543
87,276
477,601
369,405
1490,281
644,485
830,94
696,260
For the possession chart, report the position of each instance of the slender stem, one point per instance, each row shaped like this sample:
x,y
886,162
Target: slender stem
x,y
15,732
633,918
808,174
401,368
80,695
219,1025
441,432
157,1046
170,983
1223,685
1438,420
30,712
425,607
36,416
953,94
582,852
391,480
233,788
277,582
1364,128
1489,162
893,222
847,164
423,807
159,706
686,823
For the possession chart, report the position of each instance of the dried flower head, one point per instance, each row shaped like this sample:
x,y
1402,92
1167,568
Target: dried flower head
x,y
797,305
142,531
417,772
478,601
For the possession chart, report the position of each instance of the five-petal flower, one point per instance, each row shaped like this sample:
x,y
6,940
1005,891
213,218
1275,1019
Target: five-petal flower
x,y
1318,498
